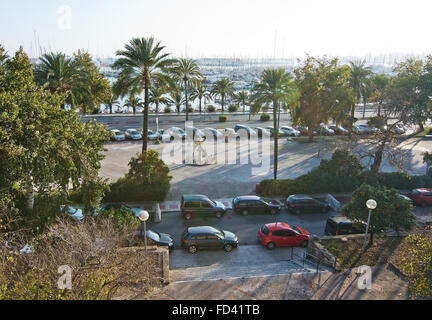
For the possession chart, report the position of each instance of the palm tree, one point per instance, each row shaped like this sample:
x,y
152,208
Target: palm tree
x,y
134,102
187,72
359,74
275,86
56,73
157,97
242,98
112,101
142,65
223,88
200,93
176,98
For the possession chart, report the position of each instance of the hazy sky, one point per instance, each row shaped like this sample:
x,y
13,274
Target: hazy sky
x,y
224,28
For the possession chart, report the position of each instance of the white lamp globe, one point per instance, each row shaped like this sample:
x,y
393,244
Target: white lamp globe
x,y
143,215
371,204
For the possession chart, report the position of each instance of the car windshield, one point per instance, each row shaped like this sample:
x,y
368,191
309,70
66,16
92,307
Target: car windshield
x,y
133,132
118,133
212,201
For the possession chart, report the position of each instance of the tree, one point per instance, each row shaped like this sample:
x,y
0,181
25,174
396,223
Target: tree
x,y
427,159
134,102
187,72
200,93
274,87
142,65
392,212
223,88
157,97
357,81
176,98
323,93
416,263
58,74
380,86
242,98
112,101
43,148
410,90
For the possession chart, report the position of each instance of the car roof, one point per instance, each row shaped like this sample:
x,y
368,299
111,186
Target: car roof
x,y
277,226
242,198
423,190
191,197
341,219
300,196
201,229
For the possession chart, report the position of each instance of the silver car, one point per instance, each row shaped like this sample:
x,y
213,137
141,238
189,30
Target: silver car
x,y
290,131
133,134
117,135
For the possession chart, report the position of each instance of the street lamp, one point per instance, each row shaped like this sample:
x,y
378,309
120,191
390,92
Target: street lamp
x,y
143,216
371,205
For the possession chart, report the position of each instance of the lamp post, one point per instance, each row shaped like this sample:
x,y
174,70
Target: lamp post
x,y
143,216
371,205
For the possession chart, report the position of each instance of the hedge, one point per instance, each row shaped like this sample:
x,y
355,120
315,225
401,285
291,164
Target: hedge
x,y
232,108
265,117
211,108
223,118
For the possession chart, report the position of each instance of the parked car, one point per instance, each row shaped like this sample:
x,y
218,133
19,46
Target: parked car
x,y
357,130
262,131
250,132
290,131
421,197
197,134
230,133
404,197
201,205
325,130
304,131
133,134
176,133
117,135
339,130
158,239
72,212
208,132
205,237
255,205
306,204
339,225
271,130
281,234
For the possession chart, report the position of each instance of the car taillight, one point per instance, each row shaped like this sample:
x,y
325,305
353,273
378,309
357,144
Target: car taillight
x,y
291,205
184,240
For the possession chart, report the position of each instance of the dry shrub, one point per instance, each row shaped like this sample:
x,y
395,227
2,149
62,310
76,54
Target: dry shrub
x,y
91,250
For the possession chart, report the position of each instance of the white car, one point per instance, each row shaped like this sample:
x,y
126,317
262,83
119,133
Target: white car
x,y
325,130
208,132
117,135
175,132
359,130
133,134
290,131
74,213
158,135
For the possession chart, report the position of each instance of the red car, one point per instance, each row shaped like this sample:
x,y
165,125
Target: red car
x,y
280,234
421,197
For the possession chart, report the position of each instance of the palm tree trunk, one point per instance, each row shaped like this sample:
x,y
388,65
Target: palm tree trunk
x,y
379,108
110,107
276,139
351,120
200,105
364,107
222,102
186,98
146,111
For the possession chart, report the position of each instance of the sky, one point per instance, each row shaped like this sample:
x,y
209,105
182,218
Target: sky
x,y
220,28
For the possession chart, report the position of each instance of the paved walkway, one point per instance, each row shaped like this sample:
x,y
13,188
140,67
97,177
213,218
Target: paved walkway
x,y
294,286
245,261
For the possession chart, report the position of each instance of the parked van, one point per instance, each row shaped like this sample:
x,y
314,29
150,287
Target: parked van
x,y
340,225
201,205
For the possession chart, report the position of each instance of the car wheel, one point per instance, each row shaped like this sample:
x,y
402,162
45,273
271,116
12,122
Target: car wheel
x,y
228,248
304,244
172,139
188,216
270,246
218,214
192,249
245,212
273,212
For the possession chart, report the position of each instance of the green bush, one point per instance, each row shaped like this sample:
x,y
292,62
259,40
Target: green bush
x,y
232,108
123,218
265,117
167,110
223,118
148,179
211,108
